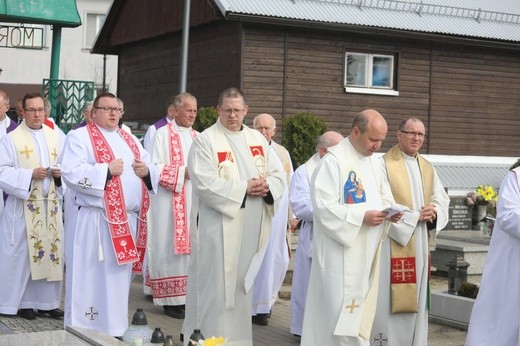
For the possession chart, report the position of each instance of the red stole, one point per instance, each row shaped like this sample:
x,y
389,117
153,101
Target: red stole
x,y
168,179
123,243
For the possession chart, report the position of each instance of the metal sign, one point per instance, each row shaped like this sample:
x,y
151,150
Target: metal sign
x,y
21,37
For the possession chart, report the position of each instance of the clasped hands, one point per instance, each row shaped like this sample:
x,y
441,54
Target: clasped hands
x,y
428,213
257,187
116,167
41,172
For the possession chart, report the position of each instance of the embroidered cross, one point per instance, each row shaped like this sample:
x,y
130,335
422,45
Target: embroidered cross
x,y
85,183
403,270
352,306
381,340
27,151
91,314
54,153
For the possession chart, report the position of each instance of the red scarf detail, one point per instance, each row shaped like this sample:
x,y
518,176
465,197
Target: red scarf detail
x,y
122,240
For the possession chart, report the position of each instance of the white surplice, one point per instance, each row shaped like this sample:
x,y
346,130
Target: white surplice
x,y
209,307
4,125
342,291
168,270
409,328
301,204
276,259
150,134
97,288
495,318
17,289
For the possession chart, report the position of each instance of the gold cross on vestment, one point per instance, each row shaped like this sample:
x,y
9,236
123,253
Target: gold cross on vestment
x,y
27,151
352,306
54,153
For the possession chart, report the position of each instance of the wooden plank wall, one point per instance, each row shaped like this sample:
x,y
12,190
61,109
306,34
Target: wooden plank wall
x,y
149,71
467,97
475,107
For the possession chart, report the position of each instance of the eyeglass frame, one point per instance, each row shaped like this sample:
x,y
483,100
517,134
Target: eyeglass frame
x,y
413,133
34,110
229,112
110,109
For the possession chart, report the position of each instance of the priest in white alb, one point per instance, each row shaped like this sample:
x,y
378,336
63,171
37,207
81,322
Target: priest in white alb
x,y
495,318
349,195
403,304
169,229
301,204
6,125
31,228
238,183
112,176
276,260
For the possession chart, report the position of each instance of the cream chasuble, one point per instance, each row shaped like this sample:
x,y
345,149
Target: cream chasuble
x,y
343,284
228,170
42,210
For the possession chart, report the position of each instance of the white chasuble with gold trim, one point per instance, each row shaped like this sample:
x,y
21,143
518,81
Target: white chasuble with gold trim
x,y
42,209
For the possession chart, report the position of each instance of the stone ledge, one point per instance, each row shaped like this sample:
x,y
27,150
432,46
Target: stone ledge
x,y
450,310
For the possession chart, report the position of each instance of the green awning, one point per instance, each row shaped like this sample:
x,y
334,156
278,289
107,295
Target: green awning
x,y
51,12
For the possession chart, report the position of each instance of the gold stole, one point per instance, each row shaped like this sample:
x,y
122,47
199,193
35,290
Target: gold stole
x,y
42,214
403,272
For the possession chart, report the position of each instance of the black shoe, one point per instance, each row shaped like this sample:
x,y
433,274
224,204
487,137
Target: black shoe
x,y
28,314
54,313
260,319
296,335
175,311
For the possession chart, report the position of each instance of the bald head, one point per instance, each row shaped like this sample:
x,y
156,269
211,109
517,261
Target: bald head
x,y
327,140
266,124
368,131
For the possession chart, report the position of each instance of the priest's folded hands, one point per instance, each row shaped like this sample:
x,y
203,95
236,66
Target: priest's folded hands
x,y
257,187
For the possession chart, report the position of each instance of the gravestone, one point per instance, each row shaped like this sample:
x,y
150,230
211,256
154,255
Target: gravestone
x,y
460,214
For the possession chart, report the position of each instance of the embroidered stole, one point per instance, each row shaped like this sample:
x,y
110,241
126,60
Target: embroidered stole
x,y
403,271
169,178
123,243
42,213
227,169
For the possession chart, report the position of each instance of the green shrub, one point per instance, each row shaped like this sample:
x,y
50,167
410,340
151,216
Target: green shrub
x,y
206,116
300,132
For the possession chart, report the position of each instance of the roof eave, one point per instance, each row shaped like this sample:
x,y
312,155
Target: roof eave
x,y
341,27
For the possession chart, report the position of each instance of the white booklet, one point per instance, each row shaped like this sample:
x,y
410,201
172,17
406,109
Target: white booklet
x,y
396,208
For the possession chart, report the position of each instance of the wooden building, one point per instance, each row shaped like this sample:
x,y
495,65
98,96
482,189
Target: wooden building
x,y
457,69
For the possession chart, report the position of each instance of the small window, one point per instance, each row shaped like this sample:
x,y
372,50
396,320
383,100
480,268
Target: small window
x,y
93,23
370,74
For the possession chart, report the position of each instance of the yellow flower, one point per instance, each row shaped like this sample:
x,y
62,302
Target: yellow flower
x,y
486,193
214,341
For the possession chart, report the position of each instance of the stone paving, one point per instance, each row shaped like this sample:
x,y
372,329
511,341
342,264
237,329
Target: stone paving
x,y
276,333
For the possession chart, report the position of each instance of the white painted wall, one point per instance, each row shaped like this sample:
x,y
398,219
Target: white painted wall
x,y
25,66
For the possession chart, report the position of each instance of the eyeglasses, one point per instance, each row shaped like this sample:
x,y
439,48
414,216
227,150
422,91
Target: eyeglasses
x,y
413,134
34,110
228,112
110,109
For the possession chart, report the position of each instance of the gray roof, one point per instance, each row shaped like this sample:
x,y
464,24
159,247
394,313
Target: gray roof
x,y
464,173
485,19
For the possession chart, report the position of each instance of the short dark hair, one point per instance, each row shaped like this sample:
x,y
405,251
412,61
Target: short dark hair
x,y
231,93
108,95
30,96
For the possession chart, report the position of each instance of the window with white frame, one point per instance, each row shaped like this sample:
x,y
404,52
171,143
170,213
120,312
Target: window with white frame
x,y
370,73
93,23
